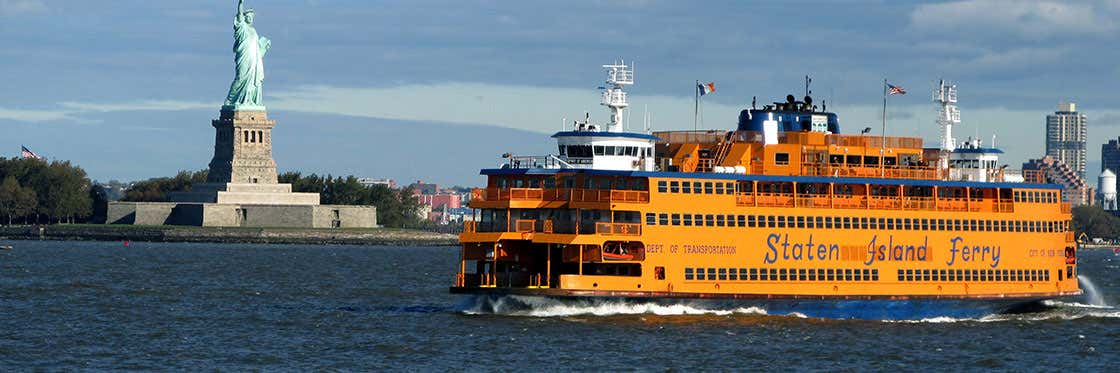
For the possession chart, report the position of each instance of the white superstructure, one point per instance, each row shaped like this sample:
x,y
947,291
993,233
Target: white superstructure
x,y
602,147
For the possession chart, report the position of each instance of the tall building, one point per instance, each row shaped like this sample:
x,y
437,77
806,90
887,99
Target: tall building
x,y
1110,156
1065,137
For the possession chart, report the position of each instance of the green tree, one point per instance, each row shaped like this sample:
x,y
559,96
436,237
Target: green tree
x,y
1095,222
157,189
15,200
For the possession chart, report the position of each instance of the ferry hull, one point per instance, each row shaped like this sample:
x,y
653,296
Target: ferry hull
x,y
867,307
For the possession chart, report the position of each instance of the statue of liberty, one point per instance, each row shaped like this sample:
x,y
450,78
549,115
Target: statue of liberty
x,y
249,49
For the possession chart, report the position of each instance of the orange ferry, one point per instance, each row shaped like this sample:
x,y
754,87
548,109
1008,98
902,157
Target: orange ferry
x,y
784,213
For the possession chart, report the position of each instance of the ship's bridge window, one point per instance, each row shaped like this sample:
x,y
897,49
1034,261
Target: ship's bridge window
x,y
781,158
501,182
563,150
598,150
549,183
518,183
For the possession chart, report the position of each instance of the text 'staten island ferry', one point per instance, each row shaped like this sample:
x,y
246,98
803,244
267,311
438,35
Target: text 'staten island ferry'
x,y
784,213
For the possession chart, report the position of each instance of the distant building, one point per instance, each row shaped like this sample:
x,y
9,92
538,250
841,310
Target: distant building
x,y
424,188
1065,137
1110,156
439,200
369,182
1076,190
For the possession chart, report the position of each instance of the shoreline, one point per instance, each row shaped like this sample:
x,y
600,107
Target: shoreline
x,y
309,236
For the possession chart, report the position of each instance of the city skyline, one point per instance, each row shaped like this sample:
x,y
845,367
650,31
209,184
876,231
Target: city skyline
x,y
138,81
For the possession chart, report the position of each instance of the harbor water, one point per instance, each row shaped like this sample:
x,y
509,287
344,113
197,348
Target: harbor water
x,y
175,306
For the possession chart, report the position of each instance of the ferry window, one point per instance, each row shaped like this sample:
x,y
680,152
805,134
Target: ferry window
x,y
700,274
812,275
770,222
640,184
609,150
742,221
686,187
854,160
696,187
942,275
688,220
847,223
651,218
890,223
518,183
662,187
875,275
801,222
983,275
563,150
801,275
871,160
1032,275
828,222
835,159
831,274
1046,275
604,183
925,224
723,273
674,187
758,276
858,275
550,183
719,220
952,275
688,273
848,275
781,222
598,150
743,274
820,221
708,187
925,275
709,220
711,273
750,221
998,275
534,183
676,219
783,275
781,158
663,219
732,274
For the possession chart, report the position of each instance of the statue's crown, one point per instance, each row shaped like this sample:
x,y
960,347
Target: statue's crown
x,y
247,11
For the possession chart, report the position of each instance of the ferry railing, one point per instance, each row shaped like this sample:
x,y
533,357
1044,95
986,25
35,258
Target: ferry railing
x,y
917,203
1004,206
546,226
744,199
884,203
470,226
812,200
775,199
849,202
1066,208
952,204
637,196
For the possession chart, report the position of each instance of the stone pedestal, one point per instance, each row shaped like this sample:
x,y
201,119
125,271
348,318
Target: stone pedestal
x,y
243,148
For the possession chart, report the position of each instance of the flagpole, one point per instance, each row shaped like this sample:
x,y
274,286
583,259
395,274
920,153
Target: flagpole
x,y
883,133
695,103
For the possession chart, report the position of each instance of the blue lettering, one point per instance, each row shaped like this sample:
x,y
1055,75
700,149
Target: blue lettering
x,y
953,250
772,256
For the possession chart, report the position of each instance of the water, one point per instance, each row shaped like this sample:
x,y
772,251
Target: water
x,y
88,305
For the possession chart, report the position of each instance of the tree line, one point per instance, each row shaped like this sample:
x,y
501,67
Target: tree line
x,y
35,191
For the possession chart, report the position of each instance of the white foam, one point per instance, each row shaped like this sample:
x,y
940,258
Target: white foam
x,y
549,307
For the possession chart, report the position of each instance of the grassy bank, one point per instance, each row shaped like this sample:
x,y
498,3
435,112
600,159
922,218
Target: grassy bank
x,y
351,236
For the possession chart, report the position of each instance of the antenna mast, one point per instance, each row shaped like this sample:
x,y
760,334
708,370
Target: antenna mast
x,y
948,114
618,75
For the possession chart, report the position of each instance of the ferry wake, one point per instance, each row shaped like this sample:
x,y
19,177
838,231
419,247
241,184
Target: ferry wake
x,y
784,213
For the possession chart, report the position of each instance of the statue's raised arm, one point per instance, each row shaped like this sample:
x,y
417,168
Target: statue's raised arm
x,y
240,12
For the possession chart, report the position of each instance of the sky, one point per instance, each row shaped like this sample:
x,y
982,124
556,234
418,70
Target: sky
x,y
435,90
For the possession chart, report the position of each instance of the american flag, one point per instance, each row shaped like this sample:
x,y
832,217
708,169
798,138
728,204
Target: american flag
x,y
27,153
895,90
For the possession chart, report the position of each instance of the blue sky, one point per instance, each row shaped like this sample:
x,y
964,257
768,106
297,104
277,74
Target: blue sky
x,y
126,88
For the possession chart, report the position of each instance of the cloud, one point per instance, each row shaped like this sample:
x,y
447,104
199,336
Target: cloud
x,y
74,111
19,7
1027,19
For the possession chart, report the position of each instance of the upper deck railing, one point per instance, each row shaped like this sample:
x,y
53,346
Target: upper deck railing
x,y
494,194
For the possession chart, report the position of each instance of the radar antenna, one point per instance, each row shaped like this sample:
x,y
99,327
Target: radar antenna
x,y
948,114
618,75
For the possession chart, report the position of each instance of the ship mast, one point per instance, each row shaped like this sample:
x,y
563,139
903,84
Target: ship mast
x,y
618,75
947,116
